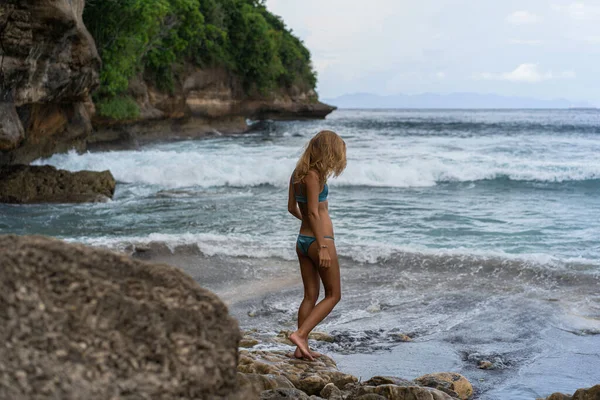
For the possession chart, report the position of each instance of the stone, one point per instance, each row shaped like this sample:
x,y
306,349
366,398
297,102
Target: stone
x,y
248,342
278,394
264,382
394,392
401,337
454,384
592,393
11,129
388,380
331,392
321,337
309,376
26,184
559,396
485,365
86,323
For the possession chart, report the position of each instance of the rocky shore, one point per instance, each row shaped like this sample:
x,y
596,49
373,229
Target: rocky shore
x,y
81,322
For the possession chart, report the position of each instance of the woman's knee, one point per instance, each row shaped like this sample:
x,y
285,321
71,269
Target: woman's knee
x,y
311,297
334,295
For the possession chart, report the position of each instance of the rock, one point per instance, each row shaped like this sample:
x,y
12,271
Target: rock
x,y
331,392
11,129
25,184
321,337
401,337
203,100
277,394
264,382
588,394
50,67
393,392
485,365
592,393
85,323
369,396
248,342
559,396
455,385
388,380
309,376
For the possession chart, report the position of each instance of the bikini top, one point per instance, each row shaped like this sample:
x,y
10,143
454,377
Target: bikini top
x,y
322,196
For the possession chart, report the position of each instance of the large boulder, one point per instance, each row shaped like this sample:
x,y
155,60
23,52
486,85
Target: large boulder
x,y
84,323
25,184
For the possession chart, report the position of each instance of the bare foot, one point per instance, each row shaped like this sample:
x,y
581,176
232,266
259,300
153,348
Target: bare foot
x,y
298,353
302,345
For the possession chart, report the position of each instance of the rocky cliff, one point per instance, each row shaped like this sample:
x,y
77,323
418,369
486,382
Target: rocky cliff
x,y
202,101
49,67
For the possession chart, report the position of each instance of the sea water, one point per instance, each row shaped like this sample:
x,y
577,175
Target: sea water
x,y
477,233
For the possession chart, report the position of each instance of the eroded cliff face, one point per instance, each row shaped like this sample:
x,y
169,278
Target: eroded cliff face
x,y
202,101
48,67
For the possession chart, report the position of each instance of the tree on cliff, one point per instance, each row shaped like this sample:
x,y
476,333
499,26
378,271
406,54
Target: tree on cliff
x,y
154,37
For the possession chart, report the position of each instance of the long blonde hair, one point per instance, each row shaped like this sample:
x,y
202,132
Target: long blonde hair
x,y
325,153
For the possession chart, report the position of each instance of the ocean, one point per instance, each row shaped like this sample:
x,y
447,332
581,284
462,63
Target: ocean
x,y
475,232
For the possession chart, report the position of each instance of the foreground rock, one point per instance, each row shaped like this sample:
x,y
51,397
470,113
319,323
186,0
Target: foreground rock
x,y
277,375
82,323
24,184
582,394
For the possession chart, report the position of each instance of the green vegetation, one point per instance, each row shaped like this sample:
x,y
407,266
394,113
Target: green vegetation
x,y
153,37
117,107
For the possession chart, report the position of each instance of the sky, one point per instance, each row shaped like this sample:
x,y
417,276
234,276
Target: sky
x,y
545,49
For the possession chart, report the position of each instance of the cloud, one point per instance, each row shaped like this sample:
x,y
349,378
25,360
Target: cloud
x,y
579,10
527,42
528,73
523,18
440,75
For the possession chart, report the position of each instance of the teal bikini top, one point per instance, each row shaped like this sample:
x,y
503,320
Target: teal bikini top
x,y
322,196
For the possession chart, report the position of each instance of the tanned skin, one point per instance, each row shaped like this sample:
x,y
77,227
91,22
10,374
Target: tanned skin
x,y
320,265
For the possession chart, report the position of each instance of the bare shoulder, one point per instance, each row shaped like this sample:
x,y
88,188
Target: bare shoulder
x,y
312,176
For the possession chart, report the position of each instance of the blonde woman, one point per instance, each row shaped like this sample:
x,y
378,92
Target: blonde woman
x,y
324,156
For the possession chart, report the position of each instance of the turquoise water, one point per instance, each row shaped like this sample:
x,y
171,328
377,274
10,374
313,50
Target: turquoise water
x,y
509,183
478,230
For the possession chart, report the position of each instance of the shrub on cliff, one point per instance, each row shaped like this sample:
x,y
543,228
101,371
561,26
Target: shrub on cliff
x,y
153,36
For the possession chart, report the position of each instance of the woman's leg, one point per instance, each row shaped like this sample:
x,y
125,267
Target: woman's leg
x,y
333,293
312,283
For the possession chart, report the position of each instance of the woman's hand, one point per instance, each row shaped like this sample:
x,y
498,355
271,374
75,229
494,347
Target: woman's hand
x,y
324,257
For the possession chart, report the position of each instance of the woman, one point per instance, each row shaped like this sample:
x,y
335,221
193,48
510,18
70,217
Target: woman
x,y
324,156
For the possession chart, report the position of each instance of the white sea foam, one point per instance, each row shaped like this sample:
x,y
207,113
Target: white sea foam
x,y
253,246
172,169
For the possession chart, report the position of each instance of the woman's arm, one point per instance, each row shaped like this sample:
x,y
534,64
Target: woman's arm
x,y
313,188
292,203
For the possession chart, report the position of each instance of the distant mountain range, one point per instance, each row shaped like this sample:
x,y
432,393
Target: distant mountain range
x,y
452,100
